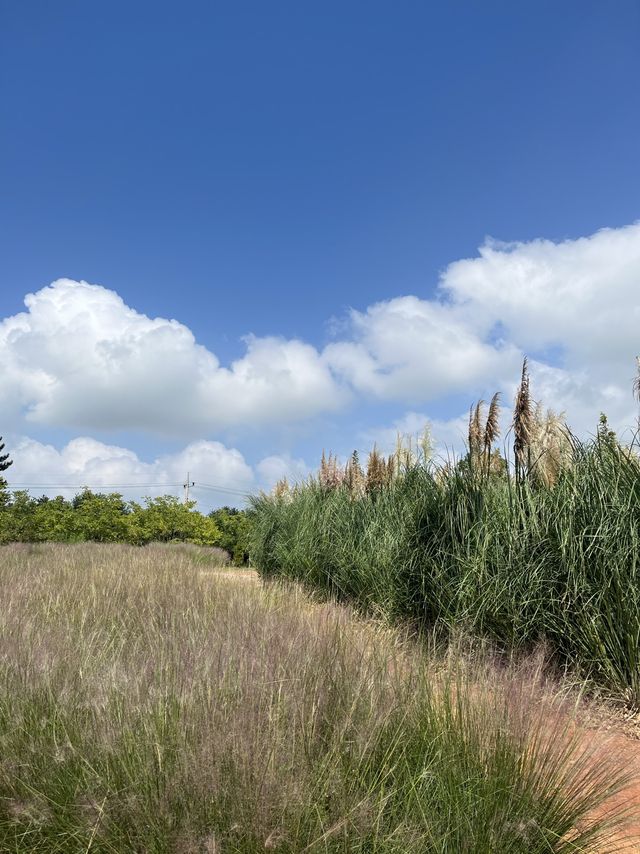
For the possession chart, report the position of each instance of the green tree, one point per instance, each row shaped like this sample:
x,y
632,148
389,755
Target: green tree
x,y
53,520
167,519
5,462
234,532
106,518
17,520
100,517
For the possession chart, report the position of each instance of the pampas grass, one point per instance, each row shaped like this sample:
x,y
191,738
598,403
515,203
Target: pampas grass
x,y
548,554
523,426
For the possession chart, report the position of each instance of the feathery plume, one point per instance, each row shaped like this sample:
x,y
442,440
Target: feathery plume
x,y
425,444
523,424
551,448
376,471
282,490
331,474
492,427
354,478
475,430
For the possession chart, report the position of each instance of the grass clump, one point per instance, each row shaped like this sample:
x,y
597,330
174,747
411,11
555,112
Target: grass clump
x,y
148,704
545,551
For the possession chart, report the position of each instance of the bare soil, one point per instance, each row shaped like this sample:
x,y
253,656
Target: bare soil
x,y
624,740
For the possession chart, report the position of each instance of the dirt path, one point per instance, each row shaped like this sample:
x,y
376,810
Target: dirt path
x,y
626,745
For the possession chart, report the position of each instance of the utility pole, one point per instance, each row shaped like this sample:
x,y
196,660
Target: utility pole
x,y
186,486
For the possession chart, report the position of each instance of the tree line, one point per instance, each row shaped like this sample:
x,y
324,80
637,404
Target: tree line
x,y
109,518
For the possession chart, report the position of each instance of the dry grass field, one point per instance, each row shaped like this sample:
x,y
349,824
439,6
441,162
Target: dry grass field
x,y
154,701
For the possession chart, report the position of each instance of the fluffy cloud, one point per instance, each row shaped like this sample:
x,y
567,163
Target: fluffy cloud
x,y
86,462
274,468
573,306
575,303
582,296
79,357
448,436
411,349
221,474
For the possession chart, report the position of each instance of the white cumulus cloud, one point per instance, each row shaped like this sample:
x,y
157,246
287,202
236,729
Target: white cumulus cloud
x,y
79,357
87,462
412,349
573,306
221,474
278,466
580,295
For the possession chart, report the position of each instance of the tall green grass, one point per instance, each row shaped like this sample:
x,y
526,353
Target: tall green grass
x,y
519,561
148,704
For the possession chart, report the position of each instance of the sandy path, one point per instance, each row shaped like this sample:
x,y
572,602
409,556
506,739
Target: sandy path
x,y
627,746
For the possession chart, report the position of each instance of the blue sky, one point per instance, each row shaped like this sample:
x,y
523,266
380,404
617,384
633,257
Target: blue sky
x,y
254,169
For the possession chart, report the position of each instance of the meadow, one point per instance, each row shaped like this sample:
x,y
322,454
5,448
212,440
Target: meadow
x,y
153,700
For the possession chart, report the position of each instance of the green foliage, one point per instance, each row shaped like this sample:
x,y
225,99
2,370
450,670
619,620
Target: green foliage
x,y
544,559
233,525
5,462
5,495
167,519
98,517
108,518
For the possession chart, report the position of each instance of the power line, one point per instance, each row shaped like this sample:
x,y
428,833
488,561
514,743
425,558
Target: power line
x,y
210,486
176,485
95,486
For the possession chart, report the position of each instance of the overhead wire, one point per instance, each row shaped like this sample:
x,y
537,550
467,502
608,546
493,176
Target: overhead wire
x,y
173,485
95,486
